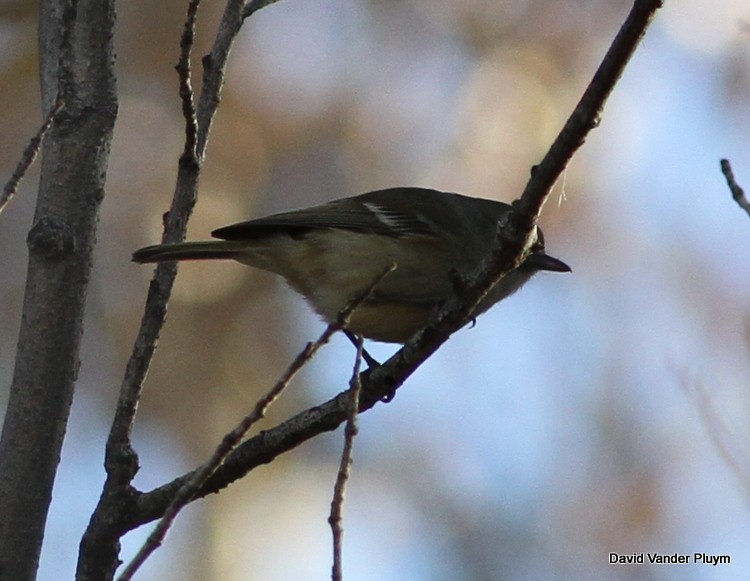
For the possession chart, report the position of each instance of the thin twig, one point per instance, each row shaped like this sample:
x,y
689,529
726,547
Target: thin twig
x,y
339,489
587,114
28,157
515,229
214,70
232,439
254,5
185,73
100,543
120,458
737,192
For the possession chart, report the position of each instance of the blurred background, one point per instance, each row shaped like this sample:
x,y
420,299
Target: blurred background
x,y
602,411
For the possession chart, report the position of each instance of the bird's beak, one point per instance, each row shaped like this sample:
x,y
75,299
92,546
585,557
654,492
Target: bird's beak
x,y
542,261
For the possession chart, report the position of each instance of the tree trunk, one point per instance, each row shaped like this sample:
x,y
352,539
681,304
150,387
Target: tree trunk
x,y
77,67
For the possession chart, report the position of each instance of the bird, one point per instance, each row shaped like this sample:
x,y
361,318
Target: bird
x,y
332,253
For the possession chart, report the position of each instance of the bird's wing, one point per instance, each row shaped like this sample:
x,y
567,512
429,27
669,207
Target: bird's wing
x,y
383,212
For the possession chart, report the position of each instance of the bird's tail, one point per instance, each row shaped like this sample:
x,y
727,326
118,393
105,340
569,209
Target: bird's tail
x,y
208,250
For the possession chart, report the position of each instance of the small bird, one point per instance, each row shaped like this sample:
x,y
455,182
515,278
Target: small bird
x,y
332,253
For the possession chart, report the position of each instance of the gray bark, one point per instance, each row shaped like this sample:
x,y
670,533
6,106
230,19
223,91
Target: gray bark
x,y
77,66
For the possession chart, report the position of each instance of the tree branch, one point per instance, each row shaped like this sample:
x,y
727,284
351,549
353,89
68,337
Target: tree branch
x,y
587,114
339,489
185,73
28,157
254,5
384,380
199,477
77,68
737,192
100,545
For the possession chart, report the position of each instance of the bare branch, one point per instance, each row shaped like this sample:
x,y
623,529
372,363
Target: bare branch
x,y
515,230
587,114
76,62
100,545
737,192
214,70
254,5
339,489
28,157
383,381
198,478
121,460
184,72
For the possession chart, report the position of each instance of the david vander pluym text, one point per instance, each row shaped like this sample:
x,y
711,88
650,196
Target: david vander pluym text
x,y
669,559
